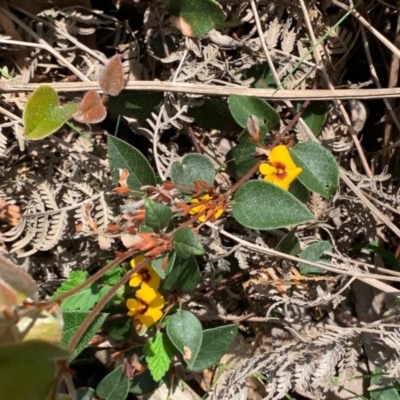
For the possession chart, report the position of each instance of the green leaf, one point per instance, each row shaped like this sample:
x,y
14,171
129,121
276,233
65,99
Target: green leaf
x,y
75,278
114,386
72,322
157,215
314,252
86,298
262,205
28,369
113,276
298,190
185,332
85,393
195,18
263,78
137,105
242,107
193,167
158,351
184,275
213,114
43,115
314,115
240,159
187,243
122,155
158,263
119,329
320,169
385,390
289,244
215,344
142,383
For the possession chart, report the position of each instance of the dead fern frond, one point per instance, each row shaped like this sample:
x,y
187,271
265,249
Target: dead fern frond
x,y
309,365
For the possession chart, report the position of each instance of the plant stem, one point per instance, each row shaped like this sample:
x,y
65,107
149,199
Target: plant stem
x,y
103,301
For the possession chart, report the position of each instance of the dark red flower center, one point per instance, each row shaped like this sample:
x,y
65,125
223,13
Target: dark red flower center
x,y
146,277
280,170
144,307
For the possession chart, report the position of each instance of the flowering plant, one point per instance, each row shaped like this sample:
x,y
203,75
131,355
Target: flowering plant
x,y
160,230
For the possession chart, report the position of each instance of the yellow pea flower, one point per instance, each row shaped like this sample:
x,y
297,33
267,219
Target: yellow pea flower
x,y
203,204
280,168
145,309
146,275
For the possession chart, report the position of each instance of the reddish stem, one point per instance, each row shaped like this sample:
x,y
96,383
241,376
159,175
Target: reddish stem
x,y
103,301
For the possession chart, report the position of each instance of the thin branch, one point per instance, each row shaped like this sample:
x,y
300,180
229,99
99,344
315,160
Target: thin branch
x,y
214,90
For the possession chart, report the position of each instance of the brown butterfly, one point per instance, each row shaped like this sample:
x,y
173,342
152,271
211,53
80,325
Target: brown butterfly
x,y
91,108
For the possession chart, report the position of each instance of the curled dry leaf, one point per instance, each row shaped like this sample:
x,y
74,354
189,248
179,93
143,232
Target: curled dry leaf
x,y
111,79
91,109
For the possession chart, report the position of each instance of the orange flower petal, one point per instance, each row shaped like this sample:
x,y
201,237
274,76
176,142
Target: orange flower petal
x,y
267,169
218,212
149,295
134,305
146,274
283,184
197,209
135,280
150,317
202,218
270,178
135,261
280,155
154,280
292,174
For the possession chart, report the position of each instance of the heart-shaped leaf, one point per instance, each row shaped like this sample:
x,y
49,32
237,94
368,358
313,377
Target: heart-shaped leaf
x,y
187,243
215,343
184,275
43,114
91,109
157,215
193,167
242,107
262,205
289,244
185,332
314,252
240,159
320,169
122,155
314,115
114,386
111,79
